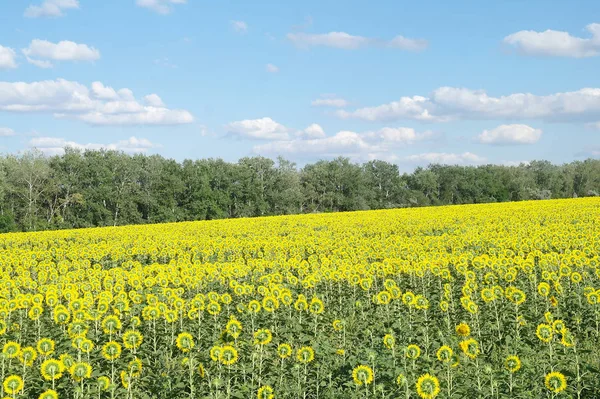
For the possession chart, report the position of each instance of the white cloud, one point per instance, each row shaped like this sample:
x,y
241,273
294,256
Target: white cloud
x,y
343,40
153,100
159,6
5,132
165,62
272,68
51,8
239,26
314,131
417,108
330,101
258,129
342,143
556,43
100,105
449,103
7,58
510,134
466,158
40,51
56,146
378,144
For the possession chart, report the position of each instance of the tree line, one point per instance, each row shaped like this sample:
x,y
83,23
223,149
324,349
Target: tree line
x,y
108,188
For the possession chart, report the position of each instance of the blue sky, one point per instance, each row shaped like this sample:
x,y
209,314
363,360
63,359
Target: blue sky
x,y
410,82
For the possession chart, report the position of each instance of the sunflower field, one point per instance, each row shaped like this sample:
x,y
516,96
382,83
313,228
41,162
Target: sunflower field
x,y
474,301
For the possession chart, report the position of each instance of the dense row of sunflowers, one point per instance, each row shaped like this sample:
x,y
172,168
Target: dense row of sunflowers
x,y
481,301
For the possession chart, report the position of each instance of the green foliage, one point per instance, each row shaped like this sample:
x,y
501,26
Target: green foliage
x,y
110,188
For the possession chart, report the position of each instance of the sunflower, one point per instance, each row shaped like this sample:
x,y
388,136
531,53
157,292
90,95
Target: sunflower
x,y
338,325
103,383
559,326
51,369
428,386
215,353
383,298
444,354
66,360
126,379
413,351
132,339
13,384
544,332
284,351
270,303
389,341
512,363
27,356
470,347
463,330
49,394
234,327
306,354
555,382
111,350
228,355
80,371
567,338
201,370
11,349
316,306
263,337
362,375
134,367
185,342
265,392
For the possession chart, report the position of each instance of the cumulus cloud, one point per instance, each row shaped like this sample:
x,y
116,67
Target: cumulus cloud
x,y
330,101
314,131
556,43
98,105
346,41
51,8
7,58
510,134
40,52
272,68
56,146
368,145
258,129
159,6
5,132
239,26
449,103
445,158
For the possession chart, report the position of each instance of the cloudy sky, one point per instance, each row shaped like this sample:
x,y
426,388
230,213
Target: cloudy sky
x,y
462,82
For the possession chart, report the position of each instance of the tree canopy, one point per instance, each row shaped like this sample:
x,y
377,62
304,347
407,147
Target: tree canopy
x,y
109,188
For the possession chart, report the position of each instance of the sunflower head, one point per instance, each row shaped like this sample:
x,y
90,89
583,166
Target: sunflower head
x,y
512,363
49,394
265,392
305,355
470,347
555,382
284,351
444,354
228,355
13,384
428,386
263,337
389,341
544,332
362,375
185,342
463,330
413,351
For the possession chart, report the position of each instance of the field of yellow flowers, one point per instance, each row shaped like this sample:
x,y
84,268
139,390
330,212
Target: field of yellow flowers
x,y
475,301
